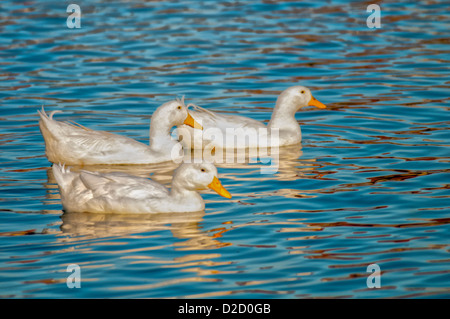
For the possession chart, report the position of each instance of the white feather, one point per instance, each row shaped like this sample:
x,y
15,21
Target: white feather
x,y
122,193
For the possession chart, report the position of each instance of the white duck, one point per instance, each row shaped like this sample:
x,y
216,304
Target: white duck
x,y
121,193
249,132
77,145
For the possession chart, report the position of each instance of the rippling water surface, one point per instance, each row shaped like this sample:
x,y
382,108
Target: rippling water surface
x,y
369,185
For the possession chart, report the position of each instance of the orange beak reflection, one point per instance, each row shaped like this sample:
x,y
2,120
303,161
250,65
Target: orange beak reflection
x,y
316,103
216,185
192,123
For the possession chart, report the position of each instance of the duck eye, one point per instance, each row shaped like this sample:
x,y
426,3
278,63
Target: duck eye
x,y
302,92
179,107
203,170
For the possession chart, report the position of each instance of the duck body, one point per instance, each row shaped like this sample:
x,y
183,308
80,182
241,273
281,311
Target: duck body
x,y
122,193
235,131
74,144
223,131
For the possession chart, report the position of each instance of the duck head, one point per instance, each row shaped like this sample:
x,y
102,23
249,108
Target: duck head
x,y
296,97
198,176
174,113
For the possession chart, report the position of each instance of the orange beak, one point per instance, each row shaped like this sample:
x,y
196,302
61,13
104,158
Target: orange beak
x,y
316,103
216,185
192,123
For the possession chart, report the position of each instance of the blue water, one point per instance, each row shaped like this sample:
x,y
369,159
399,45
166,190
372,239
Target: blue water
x,y
368,186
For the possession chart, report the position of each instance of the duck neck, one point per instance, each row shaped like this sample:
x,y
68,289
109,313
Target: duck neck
x,y
160,138
189,199
283,117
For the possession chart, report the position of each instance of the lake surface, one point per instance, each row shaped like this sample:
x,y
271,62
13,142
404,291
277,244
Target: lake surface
x,y
368,185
